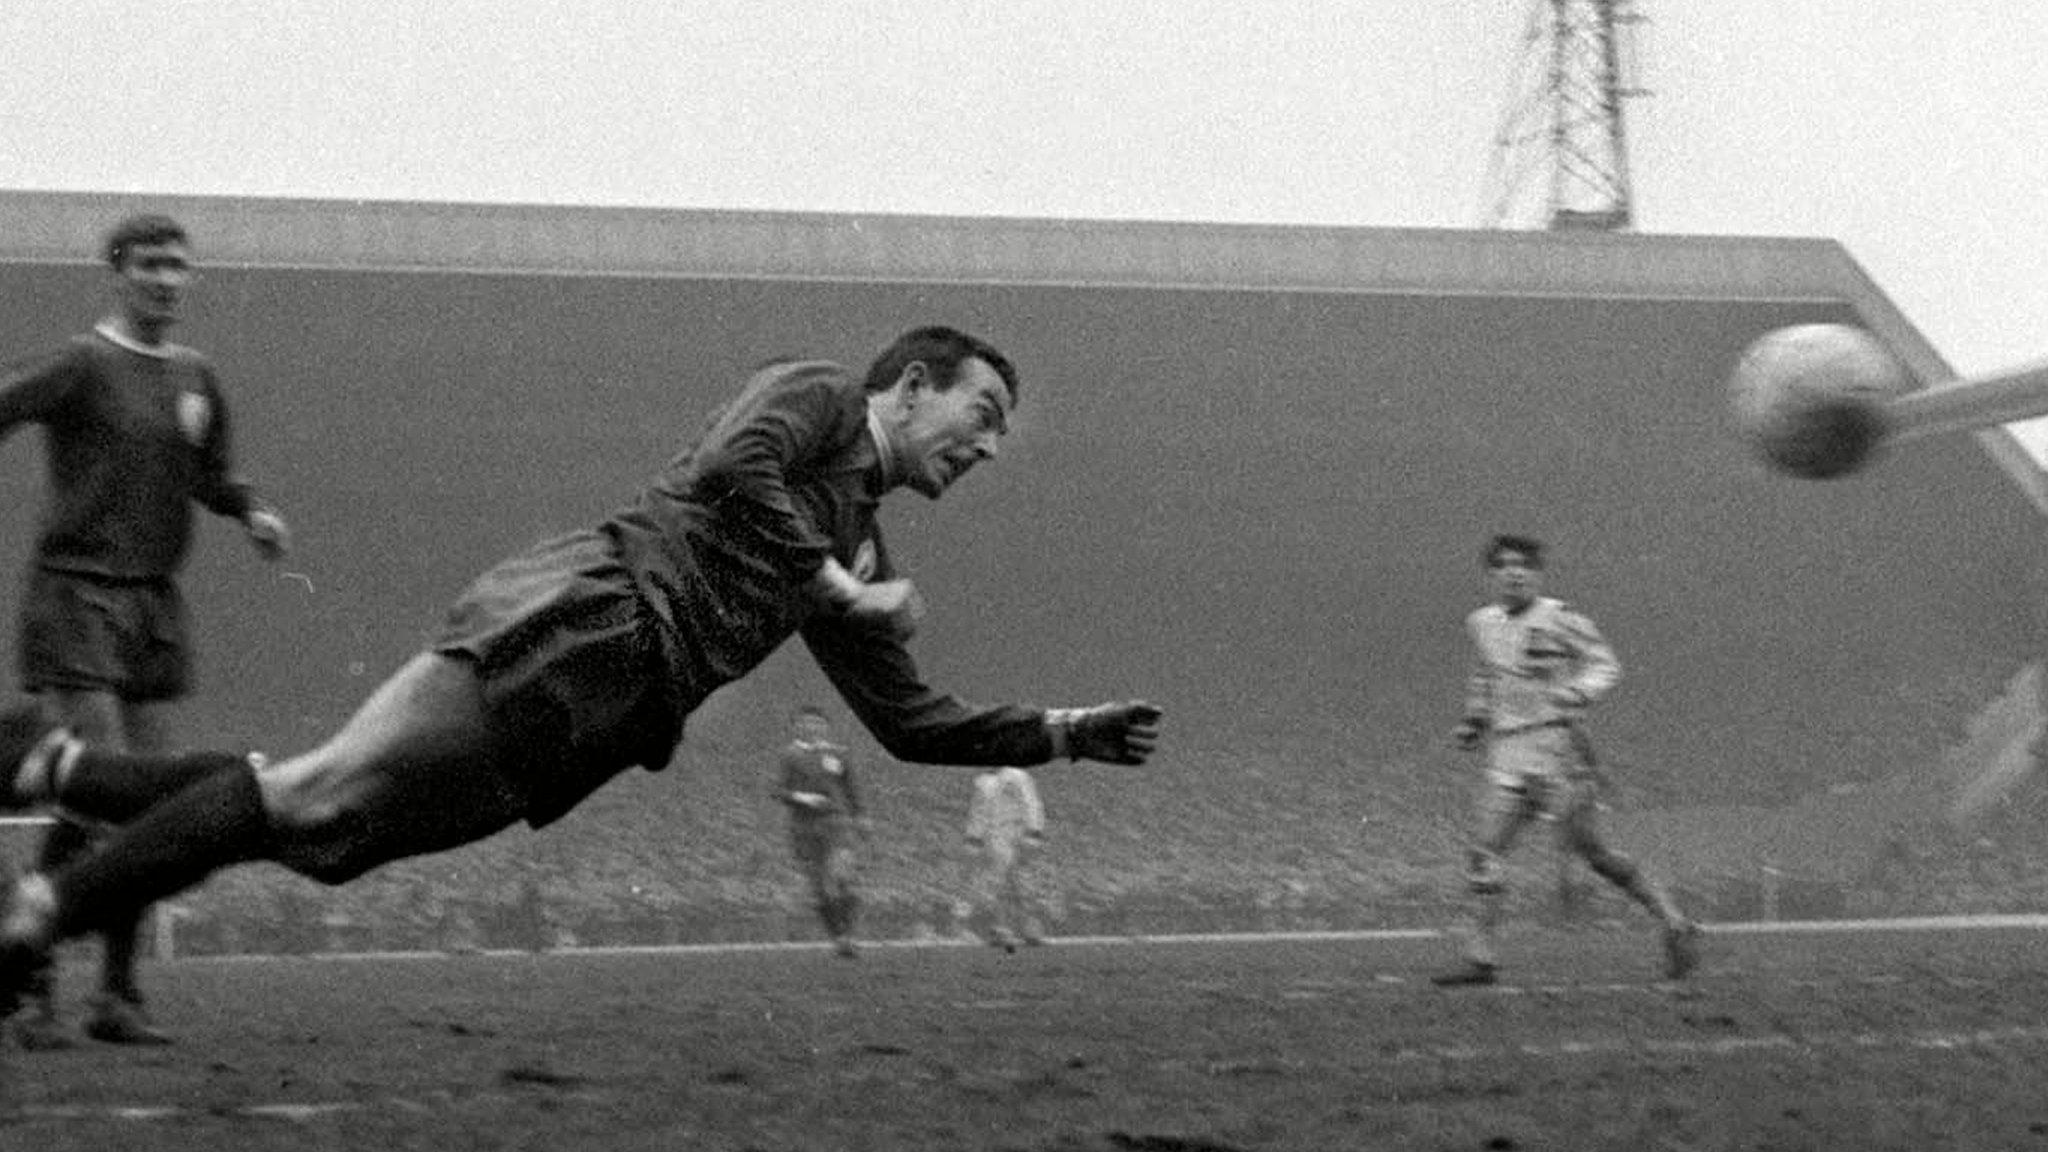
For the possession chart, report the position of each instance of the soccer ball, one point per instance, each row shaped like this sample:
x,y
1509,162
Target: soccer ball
x,y
1810,398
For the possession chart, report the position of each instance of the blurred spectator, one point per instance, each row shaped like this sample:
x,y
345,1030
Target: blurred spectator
x,y
1006,825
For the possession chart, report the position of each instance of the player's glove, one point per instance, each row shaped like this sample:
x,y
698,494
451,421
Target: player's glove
x,y
1469,732
890,606
1123,733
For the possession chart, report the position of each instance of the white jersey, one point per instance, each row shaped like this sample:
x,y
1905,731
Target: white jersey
x,y
1542,665
1005,806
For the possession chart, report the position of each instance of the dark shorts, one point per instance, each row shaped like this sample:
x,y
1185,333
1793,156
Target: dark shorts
x,y
570,660
814,838
96,633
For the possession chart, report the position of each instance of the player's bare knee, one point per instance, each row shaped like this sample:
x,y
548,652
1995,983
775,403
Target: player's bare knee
x,y
317,822
306,794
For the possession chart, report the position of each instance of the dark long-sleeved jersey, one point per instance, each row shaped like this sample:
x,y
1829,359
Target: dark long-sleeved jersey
x,y
135,437
822,770
725,541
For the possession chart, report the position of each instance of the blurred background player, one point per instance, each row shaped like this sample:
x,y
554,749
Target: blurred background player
x,y
582,657
1005,826
824,817
1539,666
137,431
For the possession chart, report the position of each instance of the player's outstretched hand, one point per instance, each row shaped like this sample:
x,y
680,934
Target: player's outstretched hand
x,y
1121,733
891,606
267,531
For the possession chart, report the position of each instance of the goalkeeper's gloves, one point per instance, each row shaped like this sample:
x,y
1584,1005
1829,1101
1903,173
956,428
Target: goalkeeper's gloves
x,y
1121,733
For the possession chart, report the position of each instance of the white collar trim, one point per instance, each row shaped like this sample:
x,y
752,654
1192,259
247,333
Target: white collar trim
x,y
112,335
885,453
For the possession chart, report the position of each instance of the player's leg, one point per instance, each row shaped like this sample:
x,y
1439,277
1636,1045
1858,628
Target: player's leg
x,y
43,764
1506,807
119,1015
105,658
422,767
1002,859
1019,883
1579,827
94,714
71,664
841,894
156,670
1010,885
416,770
807,845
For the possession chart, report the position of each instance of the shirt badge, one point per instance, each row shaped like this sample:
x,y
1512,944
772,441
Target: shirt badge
x,y
195,413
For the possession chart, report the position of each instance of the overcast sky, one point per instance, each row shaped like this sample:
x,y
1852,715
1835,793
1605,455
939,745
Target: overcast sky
x,y
1915,133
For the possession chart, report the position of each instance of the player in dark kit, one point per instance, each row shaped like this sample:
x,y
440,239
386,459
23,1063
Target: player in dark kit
x,y
137,432
817,787
568,664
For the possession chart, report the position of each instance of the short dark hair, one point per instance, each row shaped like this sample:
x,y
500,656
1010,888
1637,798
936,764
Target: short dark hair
x,y
1530,548
147,228
942,350
808,711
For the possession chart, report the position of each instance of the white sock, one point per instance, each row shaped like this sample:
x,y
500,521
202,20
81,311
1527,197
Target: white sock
x,y
33,907
41,771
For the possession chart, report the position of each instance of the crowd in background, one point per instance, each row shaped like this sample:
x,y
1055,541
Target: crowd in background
x,y
709,865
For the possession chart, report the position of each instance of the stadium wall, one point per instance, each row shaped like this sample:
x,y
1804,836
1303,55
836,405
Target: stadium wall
x,y
1250,477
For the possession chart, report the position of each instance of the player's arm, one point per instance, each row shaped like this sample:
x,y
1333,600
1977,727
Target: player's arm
x,y
849,790
33,389
876,676
889,606
1477,716
1595,669
224,492
1034,811
783,417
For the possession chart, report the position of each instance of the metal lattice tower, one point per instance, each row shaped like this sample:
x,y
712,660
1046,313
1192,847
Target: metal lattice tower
x,y
1560,156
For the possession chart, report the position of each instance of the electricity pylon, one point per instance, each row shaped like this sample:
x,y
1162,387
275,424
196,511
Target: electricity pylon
x,y
1560,156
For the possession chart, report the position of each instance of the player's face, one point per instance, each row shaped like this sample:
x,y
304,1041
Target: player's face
x,y
1516,581
153,281
946,432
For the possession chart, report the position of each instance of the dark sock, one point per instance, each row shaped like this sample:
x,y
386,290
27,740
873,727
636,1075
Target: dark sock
x,y
120,943
119,939
217,822
119,786
66,840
